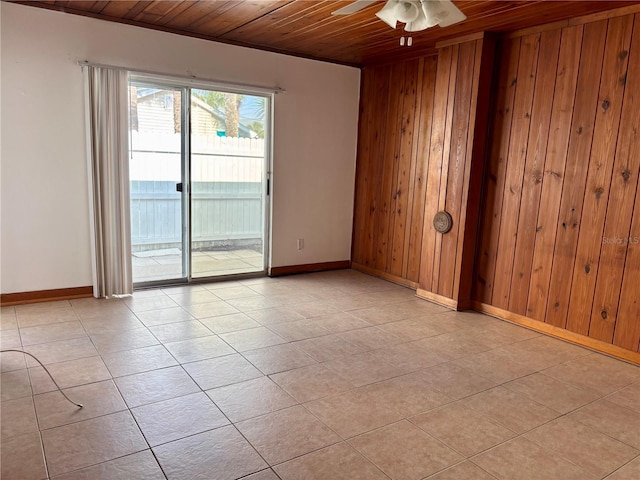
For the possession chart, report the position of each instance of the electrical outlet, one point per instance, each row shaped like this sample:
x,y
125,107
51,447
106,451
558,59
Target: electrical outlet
x,y
300,243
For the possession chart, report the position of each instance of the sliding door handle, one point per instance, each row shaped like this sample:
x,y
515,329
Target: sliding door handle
x,y
179,187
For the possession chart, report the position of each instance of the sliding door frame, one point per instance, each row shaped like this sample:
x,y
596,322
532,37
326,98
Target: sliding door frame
x,y
185,86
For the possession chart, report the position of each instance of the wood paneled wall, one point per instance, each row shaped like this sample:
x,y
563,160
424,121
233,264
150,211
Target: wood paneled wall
x,y
417,140
455,164
396,121
560,227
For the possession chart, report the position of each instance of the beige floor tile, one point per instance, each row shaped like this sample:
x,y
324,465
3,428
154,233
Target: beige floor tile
x,y
278,358
370,338
547,391
222,451
593,451
47,317
38,307
413,328
101,398
631,471
175,332
155,386
101,308
238,291
409,357
221,371
407,394
337,462
252,339
329,347
497,365
454,381
512,333
62,351
8,319
10,361
377,315
346,302
21,458
249,304
462,429
627,397
69,374
521,459
314,309
212,309
229,323
462,471
415,308
139,360
544,352
263,475
363,369
18,417
138,466
193,297
177,418
603,375
611,419
404,452
244,400
286,434
354,412
164,316
299,329
196,349
113,323
152,292
93,441
311,382
271,316
510,409
454,345
297,298
340,322
51,333
10,339
184,289
15,384
127,340
149,303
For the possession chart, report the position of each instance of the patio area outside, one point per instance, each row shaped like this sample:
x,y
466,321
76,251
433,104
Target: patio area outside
x,y
154,265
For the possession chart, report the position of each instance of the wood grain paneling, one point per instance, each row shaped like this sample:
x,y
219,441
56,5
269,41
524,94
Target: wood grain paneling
x,y
559,230
432,160
581,136
394,132
307,28
553,174
599,174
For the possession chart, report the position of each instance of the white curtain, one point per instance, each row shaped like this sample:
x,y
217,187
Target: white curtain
x,y
107,152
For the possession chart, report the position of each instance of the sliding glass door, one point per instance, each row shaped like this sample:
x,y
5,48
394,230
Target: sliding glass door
x,y
199,175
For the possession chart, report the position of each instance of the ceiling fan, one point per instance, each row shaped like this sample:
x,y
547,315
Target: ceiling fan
x,y
417,15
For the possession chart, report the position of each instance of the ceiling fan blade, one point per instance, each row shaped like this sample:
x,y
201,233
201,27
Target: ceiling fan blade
x,y
353,7
454,15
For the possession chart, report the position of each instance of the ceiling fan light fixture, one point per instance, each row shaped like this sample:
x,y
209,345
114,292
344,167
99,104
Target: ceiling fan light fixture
x,y
388,14
406,12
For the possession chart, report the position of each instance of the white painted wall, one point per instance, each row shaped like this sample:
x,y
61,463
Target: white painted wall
x,y
44,210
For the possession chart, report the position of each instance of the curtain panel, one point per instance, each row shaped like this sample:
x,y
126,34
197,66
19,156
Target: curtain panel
x,y
107,153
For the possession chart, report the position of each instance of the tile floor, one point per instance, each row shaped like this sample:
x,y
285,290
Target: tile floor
x,y
326,376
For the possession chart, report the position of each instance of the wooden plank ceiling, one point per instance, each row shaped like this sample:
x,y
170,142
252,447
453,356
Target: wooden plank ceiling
x,y
306,28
